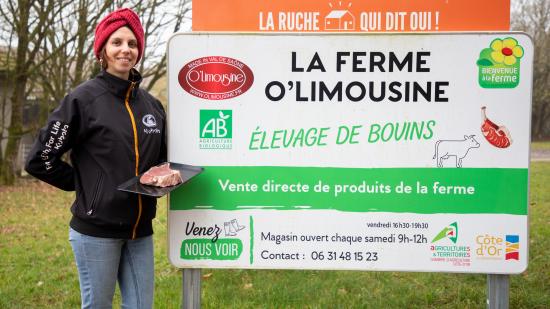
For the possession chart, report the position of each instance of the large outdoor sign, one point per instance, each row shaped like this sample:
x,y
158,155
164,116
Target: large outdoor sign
x,y
369,152
351,15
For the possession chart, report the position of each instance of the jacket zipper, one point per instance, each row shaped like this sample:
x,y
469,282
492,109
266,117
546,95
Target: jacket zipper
x,y
96,194
136,149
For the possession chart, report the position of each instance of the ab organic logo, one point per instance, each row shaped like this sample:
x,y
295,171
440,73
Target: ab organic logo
x,y
499,64
216,129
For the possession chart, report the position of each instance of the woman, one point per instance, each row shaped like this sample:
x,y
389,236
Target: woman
x,y
115,131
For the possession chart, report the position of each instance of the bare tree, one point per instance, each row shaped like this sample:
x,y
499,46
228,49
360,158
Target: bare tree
x,y
68,49
53,53
159,17
6,72
533,17
69,68
29,21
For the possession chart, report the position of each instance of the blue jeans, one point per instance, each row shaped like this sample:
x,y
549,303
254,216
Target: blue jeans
x,y
103,261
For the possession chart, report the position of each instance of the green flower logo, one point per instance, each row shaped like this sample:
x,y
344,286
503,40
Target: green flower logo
x,y
499,65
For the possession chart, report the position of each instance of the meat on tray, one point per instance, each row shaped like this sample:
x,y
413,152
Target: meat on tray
x,y
498,136
161,176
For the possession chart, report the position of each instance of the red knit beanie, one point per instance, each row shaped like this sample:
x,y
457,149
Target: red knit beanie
x,y
111,23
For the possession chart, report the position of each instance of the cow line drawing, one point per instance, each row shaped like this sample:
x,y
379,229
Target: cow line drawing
x,y
454,148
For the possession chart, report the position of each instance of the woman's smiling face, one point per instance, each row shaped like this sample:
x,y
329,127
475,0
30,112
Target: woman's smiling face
x,y
121,52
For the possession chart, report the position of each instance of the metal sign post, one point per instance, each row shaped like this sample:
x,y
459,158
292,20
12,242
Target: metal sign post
x,y
191,298
498,291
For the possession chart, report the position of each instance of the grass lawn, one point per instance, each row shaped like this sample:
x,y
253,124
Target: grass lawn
x,y
540,145
37,269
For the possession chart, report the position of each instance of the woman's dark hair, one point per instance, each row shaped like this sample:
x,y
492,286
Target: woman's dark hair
x,y
103,58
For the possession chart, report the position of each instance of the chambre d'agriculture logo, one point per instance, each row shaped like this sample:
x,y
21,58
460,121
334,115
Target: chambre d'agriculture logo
x,y
216,129
444,247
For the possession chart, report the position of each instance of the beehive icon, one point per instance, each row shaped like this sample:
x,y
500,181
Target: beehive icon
x,y
340,20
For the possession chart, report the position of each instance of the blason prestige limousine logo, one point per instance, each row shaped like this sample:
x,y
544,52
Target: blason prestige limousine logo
x,y
216,78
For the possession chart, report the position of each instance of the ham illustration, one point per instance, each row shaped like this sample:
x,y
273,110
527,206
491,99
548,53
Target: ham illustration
x,y
161,176
496,135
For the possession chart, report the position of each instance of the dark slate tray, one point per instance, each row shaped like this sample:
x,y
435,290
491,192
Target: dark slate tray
x,y
134,186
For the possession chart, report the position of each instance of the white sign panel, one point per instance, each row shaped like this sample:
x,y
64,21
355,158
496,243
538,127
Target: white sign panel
x,y
369,152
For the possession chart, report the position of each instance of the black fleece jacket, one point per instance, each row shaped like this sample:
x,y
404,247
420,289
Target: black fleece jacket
x,y
115,130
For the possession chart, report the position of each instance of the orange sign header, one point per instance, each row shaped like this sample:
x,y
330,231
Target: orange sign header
x,y
351,15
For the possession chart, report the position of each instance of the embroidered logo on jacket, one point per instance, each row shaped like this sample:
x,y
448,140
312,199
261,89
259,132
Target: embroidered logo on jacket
x,y
150,122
